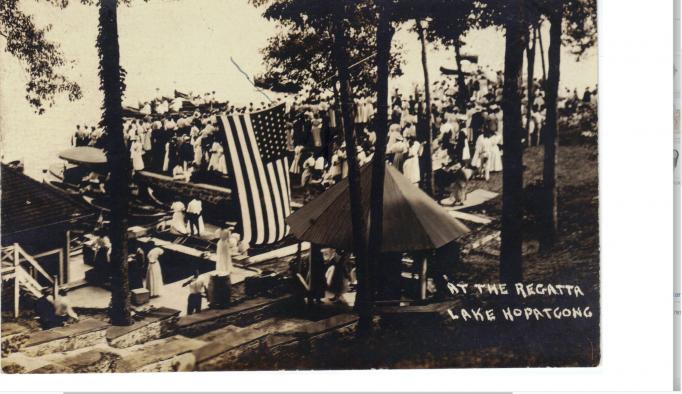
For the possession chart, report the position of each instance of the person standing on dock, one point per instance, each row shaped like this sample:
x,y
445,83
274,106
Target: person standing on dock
x,y
197,290
136,152
154,282
224,252
193,216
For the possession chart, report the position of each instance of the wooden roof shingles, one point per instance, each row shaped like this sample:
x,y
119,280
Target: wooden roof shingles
x,y
27,204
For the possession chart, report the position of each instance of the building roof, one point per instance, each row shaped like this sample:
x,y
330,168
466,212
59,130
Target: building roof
x,y
28,204
412,220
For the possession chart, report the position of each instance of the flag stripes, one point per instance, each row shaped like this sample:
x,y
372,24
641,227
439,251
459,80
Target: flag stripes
x,y
256,144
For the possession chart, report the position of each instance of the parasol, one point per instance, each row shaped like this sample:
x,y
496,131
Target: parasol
x,y
412,220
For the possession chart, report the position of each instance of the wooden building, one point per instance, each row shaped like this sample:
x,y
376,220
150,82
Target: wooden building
x,y
38,221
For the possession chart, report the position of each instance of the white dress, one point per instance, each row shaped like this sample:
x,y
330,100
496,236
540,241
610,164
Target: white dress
x,y
178,219
223,253
136,155
411,165
196,145
217,161
154,280
486,147
480,151
495,159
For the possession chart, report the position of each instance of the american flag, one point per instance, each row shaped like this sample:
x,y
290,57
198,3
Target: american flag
x,y
256,143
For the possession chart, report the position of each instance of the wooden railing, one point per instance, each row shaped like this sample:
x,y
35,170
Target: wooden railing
x,y
12,258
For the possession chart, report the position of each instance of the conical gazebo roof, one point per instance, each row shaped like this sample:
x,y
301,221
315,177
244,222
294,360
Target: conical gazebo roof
x,y
412,220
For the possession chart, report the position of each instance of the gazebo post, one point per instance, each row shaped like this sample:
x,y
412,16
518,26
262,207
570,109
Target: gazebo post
x,y
422,278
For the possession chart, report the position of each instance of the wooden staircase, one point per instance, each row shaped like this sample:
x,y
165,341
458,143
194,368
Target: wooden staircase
x,y
19,266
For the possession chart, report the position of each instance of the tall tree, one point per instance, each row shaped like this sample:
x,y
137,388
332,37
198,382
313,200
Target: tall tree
x,y
358,219
41,58
538,31
530,64
549,211
383,47
580,35
428,182
112,86
511,268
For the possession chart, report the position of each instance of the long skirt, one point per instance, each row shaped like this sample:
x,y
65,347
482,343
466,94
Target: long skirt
x,y
411,169
154,282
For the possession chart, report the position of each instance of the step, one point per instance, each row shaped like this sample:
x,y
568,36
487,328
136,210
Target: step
x,y
157,323
12,336
98,360
242,314
160,355
278,325
219,333
306,337
84,333
226,349
51,368
320,327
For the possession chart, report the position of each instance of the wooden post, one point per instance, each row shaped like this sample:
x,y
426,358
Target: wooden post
x,y
16,292
61,266
422,278
67,258
55,287
17,285
15,254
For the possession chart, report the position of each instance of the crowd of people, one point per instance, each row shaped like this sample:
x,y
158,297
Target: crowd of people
x,y
179,137
466,140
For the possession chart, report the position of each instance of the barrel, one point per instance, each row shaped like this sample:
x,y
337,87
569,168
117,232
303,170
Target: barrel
x,y
219,291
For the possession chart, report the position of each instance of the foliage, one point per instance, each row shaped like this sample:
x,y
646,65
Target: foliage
x,y
40,57
580,30
300,53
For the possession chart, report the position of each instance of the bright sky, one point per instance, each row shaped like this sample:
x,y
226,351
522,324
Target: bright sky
x,y
186,45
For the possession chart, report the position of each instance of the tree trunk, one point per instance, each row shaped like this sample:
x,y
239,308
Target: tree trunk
x,y
384,37
462,93
549,171
542,53
358,219
428,182
118,160
511,269
530,60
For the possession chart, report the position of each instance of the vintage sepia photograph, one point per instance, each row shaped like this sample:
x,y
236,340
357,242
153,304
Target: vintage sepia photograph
x,y
220,185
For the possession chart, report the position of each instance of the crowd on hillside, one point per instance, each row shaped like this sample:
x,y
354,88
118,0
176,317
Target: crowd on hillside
x,y
180,136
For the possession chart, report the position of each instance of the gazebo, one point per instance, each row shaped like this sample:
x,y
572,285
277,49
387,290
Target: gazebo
x,y
413,221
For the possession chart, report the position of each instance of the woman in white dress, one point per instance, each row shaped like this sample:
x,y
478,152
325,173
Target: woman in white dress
x,y
480,159
495,160
178,219
217,161
146,138
154,281
223,252
399,150
196,139
136,152
487,157
411,165
296,162
308,167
